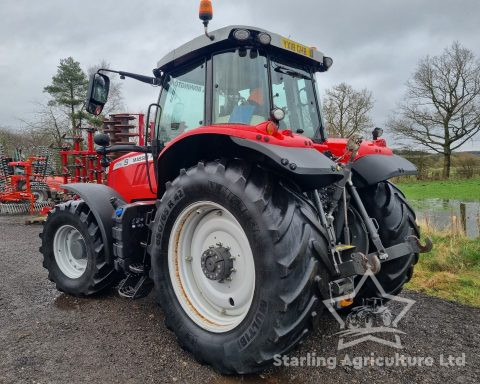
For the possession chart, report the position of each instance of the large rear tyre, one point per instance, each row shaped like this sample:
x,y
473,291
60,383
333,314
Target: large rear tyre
x,y
234,266
73,251
396,220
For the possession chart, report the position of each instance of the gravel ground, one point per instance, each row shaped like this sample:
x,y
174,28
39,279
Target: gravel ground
x,y
49,337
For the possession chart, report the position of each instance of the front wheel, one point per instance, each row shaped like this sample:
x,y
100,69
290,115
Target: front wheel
x,y
73,251
234,265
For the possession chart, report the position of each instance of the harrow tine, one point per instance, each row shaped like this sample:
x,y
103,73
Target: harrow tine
x,y
20,208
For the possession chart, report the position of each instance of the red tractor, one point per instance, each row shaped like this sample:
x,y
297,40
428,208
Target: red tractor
x,y
239,212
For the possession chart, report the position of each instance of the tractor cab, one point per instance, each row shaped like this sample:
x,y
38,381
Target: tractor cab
x,y
240,75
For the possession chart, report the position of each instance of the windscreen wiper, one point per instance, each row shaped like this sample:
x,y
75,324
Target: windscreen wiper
x,y
291,72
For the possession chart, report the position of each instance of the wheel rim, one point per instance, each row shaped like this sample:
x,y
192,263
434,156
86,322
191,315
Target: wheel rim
x,y
70,251
204,233
39,196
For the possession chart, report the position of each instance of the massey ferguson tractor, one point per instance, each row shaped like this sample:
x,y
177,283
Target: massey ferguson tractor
x,y
240,212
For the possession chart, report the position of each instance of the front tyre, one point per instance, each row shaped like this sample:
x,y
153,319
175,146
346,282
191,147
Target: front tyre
x,y
233,265
73,251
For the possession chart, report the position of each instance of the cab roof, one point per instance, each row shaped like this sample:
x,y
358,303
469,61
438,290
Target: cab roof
x,y
223,39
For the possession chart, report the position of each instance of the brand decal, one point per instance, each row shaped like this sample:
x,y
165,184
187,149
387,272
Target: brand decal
x,y
132,160
252,331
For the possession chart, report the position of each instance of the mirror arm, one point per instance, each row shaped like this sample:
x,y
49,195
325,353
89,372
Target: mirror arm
x,y
144,79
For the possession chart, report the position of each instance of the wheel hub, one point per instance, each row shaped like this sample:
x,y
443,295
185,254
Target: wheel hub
x,y
78,249
70,251
217,263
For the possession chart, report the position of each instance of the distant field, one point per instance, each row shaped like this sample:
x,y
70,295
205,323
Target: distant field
x,y
442,189
452,270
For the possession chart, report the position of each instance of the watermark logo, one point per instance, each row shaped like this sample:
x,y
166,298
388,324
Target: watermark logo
x,y
373,320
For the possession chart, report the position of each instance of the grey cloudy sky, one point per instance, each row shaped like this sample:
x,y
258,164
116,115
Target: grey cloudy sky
x,y
374,44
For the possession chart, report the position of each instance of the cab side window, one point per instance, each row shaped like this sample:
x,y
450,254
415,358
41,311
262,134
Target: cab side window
x,y
183,102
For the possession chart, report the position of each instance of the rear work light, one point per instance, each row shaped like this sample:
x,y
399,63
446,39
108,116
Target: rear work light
x,y
264,38
241,34
327,62
277,114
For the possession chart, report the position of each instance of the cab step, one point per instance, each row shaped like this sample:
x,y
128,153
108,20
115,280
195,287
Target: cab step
x,y
137,268
135,286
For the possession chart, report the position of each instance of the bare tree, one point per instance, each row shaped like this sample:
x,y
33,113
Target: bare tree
x,y
12,140
49,126
441,109
346,110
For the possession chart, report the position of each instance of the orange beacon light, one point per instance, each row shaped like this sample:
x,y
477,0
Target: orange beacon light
x,y
206,11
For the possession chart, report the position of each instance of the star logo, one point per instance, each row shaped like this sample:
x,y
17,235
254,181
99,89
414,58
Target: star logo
x,y
359,326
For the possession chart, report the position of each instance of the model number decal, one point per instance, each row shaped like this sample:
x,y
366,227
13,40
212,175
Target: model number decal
x,y
131,161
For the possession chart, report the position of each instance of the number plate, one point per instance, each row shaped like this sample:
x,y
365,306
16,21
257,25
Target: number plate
x,y
297,47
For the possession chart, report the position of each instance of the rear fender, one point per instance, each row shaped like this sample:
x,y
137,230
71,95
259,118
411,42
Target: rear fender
x,y
97,197
372,169
306,166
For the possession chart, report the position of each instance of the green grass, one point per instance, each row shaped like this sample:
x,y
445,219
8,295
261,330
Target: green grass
x,y
468,189
452,270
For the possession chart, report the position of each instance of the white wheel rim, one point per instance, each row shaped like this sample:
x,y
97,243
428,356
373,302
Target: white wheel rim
x,y
217,306
70,251
38,196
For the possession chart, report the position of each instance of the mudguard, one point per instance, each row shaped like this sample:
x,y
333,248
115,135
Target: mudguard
x,y
305,165
308,167
372,169
97,197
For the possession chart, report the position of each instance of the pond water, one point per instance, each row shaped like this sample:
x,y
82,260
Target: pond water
x,y
447,213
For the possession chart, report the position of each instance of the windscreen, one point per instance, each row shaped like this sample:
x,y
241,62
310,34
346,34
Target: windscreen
x,y
293,91
240,87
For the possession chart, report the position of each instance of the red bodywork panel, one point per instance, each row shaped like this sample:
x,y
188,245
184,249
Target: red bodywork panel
x,y
128,177
368,147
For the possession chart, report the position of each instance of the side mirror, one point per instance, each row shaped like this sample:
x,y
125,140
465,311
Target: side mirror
x,y
102,139
97,95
